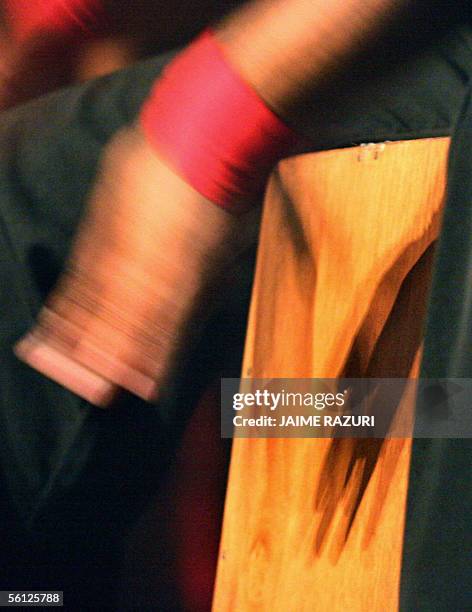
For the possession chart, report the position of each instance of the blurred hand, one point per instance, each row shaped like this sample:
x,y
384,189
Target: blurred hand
x,y
146,249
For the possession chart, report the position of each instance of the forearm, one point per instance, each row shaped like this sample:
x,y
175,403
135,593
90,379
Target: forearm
x,y
294,55
287,48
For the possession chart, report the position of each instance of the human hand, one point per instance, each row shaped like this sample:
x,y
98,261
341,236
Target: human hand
x,y
147,247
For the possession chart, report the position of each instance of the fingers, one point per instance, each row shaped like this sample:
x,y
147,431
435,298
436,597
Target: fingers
x,y
53,363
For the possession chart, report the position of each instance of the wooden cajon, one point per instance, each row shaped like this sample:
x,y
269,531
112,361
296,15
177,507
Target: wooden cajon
x,y
341,286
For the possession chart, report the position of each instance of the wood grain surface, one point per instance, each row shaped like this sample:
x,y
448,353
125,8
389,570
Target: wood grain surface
x,y
342,277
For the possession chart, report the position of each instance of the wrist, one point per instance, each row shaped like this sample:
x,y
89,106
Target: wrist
x,y
213,129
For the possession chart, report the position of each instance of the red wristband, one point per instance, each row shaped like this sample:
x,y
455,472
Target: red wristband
x,y
212,128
